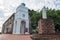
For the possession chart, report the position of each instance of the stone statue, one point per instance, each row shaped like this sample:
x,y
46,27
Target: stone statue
x,y
44,15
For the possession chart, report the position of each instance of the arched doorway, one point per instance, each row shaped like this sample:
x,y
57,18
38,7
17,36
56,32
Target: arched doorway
x,y
22,28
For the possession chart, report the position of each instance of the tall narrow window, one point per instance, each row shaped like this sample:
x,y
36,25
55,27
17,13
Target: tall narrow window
x,y
7,30
15,26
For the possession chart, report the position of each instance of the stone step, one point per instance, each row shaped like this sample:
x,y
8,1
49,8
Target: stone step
x,y
15,37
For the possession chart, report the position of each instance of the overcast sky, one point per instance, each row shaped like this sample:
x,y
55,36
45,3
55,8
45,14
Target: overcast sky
x,y
7,7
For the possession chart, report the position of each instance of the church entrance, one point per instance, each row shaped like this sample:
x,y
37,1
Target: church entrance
x,y
22,28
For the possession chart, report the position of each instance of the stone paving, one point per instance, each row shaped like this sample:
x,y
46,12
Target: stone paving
x,y
15,37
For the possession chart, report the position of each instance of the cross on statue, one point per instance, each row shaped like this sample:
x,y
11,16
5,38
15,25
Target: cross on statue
x,y
44,15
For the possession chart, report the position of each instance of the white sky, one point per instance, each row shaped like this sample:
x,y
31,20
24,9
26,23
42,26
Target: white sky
x,y
7,7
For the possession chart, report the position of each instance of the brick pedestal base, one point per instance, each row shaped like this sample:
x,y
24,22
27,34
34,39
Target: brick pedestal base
x,y
46,26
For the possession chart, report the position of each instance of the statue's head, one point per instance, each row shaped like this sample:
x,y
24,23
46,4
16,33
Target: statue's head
x,y
44,7
23,4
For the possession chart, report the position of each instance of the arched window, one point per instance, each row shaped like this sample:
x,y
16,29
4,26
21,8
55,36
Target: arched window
x,y
22,27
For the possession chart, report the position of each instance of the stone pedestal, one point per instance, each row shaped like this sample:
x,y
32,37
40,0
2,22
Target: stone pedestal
x,y
46,26
46,37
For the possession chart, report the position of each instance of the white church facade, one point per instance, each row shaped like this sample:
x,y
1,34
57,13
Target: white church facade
x,y
18,23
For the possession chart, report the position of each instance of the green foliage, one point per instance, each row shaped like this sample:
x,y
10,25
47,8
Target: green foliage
x,y
35,31
34,17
